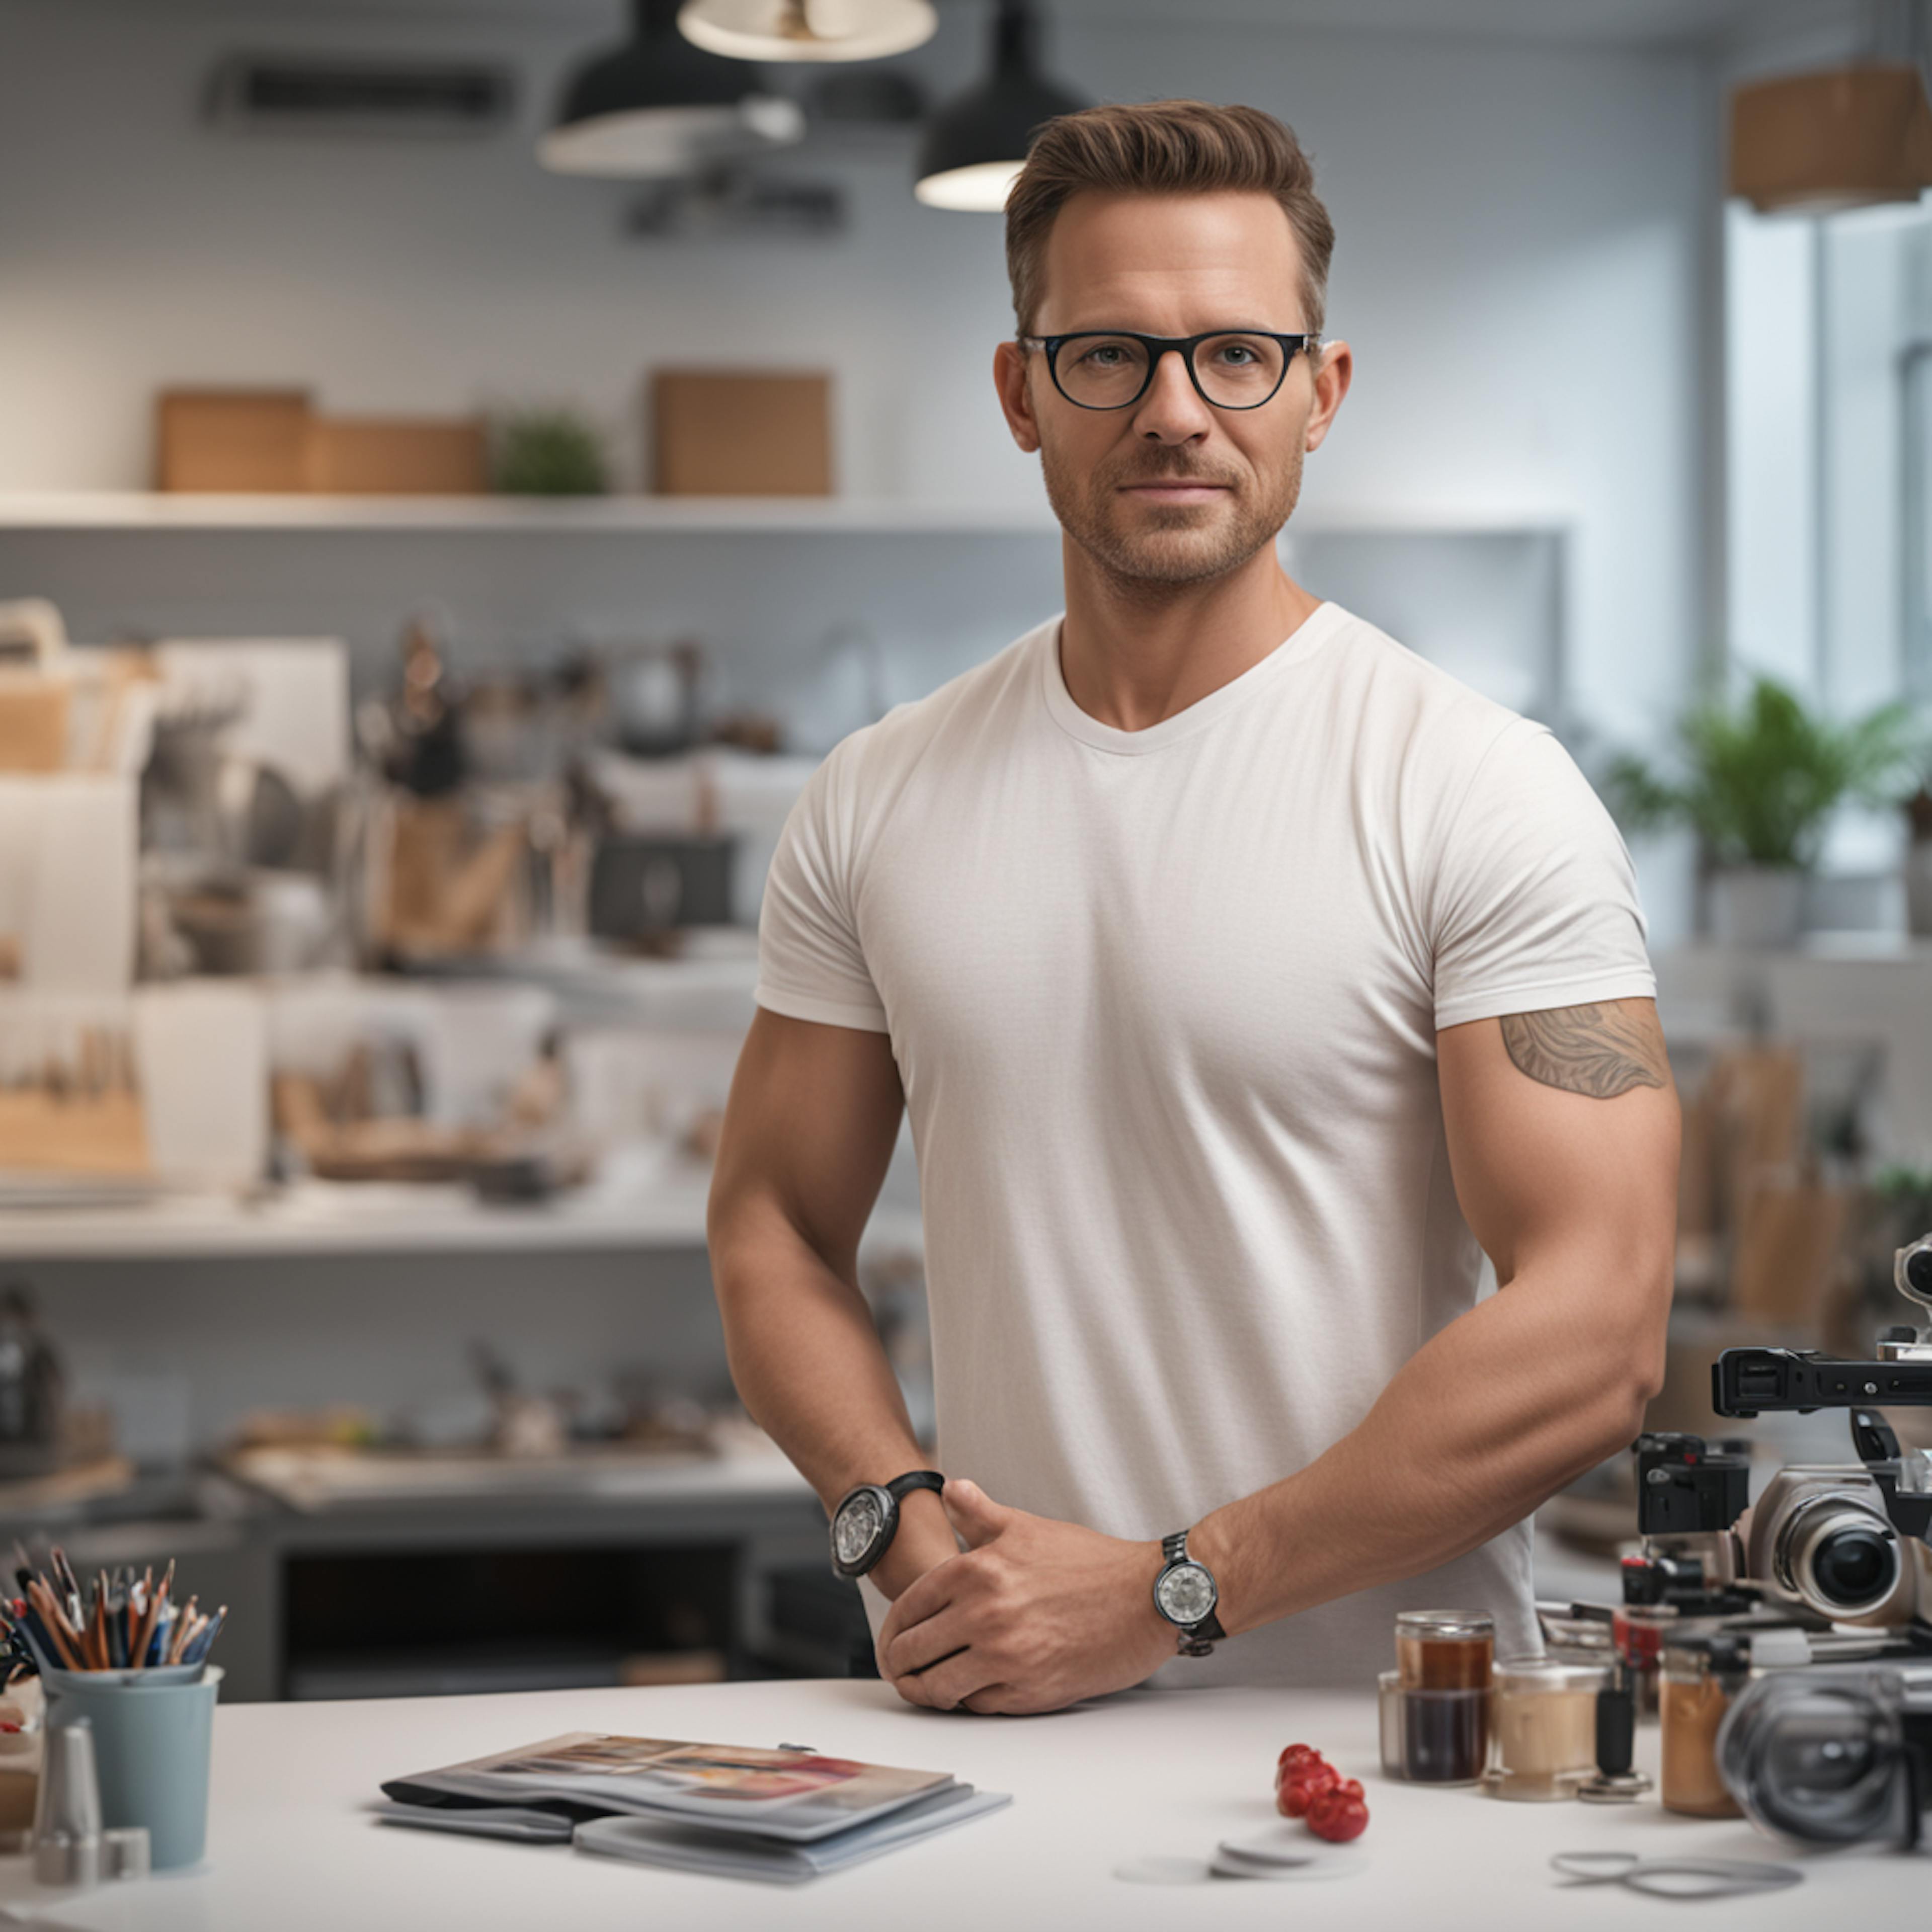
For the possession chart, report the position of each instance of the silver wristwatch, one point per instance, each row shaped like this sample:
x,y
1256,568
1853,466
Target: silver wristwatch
x,y
1186,1594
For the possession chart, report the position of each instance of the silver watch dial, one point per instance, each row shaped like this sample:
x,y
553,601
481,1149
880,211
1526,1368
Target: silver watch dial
x,y
1185,1594
856,1528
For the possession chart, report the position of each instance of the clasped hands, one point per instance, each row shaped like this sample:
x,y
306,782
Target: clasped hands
x,y
1033,1615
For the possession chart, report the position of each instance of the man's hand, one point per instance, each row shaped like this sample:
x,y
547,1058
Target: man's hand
x,y
1034,1615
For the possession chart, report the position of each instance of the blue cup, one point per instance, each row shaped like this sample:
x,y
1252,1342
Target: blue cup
x,y
152,1743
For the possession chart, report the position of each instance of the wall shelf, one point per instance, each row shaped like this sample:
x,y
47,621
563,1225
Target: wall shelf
x,y
138,510
135,510
315,1217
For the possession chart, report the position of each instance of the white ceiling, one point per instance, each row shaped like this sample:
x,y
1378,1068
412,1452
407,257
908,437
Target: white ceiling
x,y
1630,22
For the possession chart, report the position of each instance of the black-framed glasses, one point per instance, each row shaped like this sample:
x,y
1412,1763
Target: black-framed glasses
x,y
1112,368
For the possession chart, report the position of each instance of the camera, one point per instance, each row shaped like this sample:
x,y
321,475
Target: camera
x,y
1819,1537
1833,1754
1815,1745
1817,1548
1850,1543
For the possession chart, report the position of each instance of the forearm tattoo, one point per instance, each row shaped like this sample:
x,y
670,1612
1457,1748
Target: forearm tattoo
x,y
1598,1051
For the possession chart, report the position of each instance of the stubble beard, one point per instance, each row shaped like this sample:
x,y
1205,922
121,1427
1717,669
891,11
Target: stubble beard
x,y
1175,545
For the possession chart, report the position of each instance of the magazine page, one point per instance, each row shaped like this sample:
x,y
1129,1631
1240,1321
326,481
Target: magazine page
x,y
789,1794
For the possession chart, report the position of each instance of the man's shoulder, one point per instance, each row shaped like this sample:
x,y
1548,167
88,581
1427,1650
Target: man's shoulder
x,y
1424,717
887,749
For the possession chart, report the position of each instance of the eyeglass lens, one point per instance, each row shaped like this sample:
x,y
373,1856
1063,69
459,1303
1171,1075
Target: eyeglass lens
x,y
1107,372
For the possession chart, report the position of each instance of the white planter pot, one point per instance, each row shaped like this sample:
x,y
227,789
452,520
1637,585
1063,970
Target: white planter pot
x,y
1918,888
1757,905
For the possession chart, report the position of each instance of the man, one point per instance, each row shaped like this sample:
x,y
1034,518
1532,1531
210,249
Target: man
x,y
1241,973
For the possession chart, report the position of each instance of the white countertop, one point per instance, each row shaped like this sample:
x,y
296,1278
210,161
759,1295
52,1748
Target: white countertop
x,y
292,1850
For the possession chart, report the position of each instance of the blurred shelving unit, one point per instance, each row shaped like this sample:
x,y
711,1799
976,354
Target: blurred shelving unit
x,y
316,1217
108,511
144,510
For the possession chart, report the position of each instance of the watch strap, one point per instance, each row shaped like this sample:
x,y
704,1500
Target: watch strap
x,y
900,1487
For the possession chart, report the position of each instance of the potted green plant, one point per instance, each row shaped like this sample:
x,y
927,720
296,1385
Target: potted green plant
x,y
1759,781
547,453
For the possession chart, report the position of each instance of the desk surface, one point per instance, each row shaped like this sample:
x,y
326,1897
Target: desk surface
x,y
290,1848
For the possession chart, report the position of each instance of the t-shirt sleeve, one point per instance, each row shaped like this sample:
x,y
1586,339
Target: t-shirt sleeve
x,y
1535,904
811,964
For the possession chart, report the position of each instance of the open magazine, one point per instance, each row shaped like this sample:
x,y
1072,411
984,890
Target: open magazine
x,y
788,1813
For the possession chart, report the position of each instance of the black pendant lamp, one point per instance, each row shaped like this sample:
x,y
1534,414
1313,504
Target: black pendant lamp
x,y
975,144
657,106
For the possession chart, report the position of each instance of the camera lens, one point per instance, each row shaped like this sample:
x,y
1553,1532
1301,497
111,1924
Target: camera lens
x,y
1854,1567
1841,1558
1918,1270
1817,1758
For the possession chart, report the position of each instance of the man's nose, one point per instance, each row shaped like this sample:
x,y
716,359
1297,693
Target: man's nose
x,y
1172,410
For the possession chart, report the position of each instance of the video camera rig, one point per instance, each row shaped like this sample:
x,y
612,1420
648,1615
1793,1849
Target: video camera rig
x,y
1745,1382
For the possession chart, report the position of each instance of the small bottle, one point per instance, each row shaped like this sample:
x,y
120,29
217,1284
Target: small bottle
x,y
1617,1780
67,1822
1700,1677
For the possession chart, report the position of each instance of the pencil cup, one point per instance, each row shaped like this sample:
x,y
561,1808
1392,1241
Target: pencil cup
x,y
151,1747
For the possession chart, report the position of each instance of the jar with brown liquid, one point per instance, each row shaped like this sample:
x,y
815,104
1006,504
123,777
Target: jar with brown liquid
x,y
1699,1679
1435,1702
1444,1650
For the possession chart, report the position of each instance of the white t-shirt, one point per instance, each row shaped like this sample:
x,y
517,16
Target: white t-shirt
x,y
1164,1004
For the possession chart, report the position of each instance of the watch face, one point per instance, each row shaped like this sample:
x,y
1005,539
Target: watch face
x,y
1185,1594
857,1528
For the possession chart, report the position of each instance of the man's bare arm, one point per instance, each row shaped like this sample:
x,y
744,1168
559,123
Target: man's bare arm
x,y
808,1131
1563,1141
1567,1172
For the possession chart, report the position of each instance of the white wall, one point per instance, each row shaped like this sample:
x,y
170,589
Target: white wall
x,y
1517,270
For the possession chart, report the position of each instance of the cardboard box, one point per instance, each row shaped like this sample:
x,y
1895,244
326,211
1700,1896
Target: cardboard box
x,y
250,440
232,439
717,433
398,456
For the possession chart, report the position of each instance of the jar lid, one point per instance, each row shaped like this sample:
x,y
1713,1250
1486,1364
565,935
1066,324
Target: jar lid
x,y
1548,1674
1444,1623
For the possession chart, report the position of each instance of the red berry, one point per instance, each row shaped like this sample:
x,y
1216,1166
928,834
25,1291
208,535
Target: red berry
x,y
1295,1796
1338,1815
1296,1754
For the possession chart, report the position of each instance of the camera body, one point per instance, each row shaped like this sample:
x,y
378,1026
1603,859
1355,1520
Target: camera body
x,y
1819,1537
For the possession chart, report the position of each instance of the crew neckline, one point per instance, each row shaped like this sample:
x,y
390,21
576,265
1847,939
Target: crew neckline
x,y
1314,630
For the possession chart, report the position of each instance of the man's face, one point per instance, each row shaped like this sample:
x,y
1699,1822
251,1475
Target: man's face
x,y
1170,489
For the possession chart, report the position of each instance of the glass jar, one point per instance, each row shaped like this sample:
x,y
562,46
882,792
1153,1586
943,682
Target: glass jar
x,y
1433,1737
1698,1678
1542,1727
1444,1650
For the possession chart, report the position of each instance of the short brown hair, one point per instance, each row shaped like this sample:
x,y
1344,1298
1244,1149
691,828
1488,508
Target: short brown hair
x,y
1164,147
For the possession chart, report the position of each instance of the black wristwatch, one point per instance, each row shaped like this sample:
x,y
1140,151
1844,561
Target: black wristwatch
x,y
1186,1594
864,1523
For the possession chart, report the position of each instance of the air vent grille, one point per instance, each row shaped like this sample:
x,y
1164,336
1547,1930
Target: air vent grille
x,y
280,93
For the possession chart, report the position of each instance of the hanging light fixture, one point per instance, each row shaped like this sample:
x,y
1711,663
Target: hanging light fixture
x,y
657,105
807,30
977,143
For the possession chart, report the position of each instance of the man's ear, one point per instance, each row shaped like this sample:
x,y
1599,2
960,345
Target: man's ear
x,y
1332,379
1016,392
